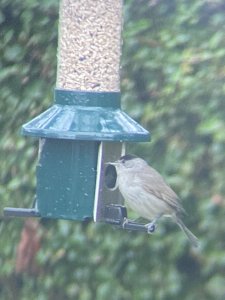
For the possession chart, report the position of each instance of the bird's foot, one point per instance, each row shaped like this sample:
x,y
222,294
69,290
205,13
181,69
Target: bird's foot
x,y
151,227
130,221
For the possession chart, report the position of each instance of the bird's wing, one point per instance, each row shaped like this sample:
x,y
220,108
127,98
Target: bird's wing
x,y
156,185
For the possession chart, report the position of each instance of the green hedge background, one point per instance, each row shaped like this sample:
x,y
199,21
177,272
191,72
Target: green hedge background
x,y
173,83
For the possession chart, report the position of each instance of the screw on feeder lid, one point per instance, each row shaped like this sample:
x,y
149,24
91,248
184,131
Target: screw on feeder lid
x,y
86,116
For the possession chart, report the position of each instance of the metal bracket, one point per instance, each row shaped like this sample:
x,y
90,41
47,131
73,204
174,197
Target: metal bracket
x,y
21,212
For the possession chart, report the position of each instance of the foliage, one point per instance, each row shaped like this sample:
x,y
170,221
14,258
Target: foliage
x,y
173,83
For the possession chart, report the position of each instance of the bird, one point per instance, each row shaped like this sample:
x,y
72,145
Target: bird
x,y
146,192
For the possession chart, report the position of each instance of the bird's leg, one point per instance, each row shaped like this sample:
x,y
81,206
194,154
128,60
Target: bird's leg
x,y
130,221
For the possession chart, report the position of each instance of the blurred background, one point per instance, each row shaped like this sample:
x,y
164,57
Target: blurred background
x,y
173,83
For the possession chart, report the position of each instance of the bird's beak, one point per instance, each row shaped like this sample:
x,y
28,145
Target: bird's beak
x,y
112,163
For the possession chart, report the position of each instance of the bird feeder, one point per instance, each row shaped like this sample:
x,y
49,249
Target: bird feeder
x,y
85,127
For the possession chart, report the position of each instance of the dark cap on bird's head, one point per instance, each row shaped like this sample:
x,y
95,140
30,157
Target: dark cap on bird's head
x,y
129,161
128,157
123,159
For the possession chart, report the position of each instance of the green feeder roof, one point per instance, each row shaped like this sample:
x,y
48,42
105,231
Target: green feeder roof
x,y
79,115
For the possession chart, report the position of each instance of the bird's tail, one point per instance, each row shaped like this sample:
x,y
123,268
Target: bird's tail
x,y
192,238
